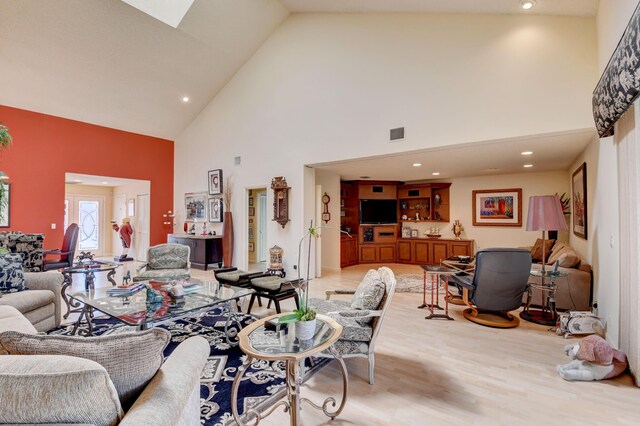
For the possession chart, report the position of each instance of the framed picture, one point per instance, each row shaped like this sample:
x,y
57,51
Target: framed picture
x,y
579,190
252,211
250,220
497,207
5,203
414,233
131,207
215,210
251,234
215,182
195,204
251,247
406,232
251,202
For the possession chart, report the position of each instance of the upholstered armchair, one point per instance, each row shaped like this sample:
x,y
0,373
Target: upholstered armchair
x,y
362,316
63,257
497,286
166,262
28,245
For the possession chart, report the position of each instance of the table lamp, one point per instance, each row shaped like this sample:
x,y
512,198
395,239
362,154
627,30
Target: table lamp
x,y
545,214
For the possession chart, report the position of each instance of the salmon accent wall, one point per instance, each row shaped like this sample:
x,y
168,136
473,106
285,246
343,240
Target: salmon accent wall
x,y
46,147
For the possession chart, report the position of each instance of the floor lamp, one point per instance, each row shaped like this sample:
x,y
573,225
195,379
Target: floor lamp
x,y
545,214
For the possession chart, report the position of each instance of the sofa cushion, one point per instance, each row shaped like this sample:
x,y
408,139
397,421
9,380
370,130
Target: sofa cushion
x,y
11,273
131,359
369,294
536,250
12,320
554,252
568,258
352,329
56,389
26,301
160,274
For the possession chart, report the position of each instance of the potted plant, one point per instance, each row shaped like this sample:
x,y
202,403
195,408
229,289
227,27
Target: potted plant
x,y
5,142
5,137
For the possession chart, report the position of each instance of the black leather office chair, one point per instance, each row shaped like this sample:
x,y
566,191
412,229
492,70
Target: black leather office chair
x,y
500,280
66,254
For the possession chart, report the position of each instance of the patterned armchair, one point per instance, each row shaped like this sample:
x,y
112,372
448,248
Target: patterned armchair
x,y
361,318
28,245
166,262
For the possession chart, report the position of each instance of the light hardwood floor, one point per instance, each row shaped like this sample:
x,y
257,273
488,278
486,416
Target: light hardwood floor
x,y
437,372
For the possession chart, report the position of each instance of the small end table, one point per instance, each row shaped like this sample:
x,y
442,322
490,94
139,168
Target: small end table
x,y
434,272
547,314
259,343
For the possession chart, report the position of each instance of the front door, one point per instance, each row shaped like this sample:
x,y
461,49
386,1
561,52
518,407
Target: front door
x,y
88,212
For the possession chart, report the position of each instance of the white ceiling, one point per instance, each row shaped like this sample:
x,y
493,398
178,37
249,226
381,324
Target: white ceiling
x,y
550,153
92,180
108,63
543,7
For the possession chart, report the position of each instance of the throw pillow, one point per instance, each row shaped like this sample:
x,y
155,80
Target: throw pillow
x,y
11,273
555,253
568,258
536,250
369,294
131,359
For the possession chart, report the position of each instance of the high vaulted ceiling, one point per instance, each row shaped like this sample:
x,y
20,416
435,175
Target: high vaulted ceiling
x,y
106,62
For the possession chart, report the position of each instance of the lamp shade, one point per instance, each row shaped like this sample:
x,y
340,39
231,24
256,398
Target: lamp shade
x,y
545,214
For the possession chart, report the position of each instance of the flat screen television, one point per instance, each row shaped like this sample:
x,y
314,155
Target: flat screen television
x,y
377,212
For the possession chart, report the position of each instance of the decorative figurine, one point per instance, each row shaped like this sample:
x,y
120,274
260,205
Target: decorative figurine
x,y
417,216
127,278
204,229
457,229
85,257
154,297
192,231
124,231
176,293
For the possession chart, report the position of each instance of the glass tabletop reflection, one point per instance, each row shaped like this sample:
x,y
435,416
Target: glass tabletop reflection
x,y
285,342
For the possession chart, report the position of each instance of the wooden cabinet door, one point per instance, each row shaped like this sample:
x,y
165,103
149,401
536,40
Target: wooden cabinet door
x,y
460,248
387,253
353,251
368,253
404,251
421,252
344,253
439,251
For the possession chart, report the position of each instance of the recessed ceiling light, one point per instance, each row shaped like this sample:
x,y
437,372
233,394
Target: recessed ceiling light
x,y
527,4
105,183
365,177
526,152
436,173
493,169
185,99
417,164
527,166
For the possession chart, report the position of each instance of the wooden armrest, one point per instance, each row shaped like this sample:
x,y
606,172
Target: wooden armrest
x,y
329,293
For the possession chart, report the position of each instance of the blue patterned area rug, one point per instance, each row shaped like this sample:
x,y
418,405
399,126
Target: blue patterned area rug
x,y
262,385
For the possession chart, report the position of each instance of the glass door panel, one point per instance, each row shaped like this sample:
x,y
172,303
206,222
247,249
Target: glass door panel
x,y
89,223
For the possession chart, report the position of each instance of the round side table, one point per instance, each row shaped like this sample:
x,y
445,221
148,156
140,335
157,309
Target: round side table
x,y
547,314
259,343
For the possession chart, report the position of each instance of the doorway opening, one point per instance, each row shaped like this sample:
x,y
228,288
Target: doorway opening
x,y
95,203
257,229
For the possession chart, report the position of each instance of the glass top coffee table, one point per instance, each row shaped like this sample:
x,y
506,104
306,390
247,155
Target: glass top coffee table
x,y
89,270
283,345
134,310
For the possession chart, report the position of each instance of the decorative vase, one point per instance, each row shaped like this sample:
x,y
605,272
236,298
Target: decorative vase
x,y
227,240
305,329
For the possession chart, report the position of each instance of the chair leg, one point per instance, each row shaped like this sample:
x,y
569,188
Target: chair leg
x,y
269,304
277,303
253,298
297,299
259,301
372,363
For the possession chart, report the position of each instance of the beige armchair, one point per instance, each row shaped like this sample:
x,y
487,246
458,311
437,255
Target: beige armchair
x,y
41,303
360,326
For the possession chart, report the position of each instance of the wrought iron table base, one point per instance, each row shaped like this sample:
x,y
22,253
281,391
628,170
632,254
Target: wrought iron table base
x,y
89,284
293,403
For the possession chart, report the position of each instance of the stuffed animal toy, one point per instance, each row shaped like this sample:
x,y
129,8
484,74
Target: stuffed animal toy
x,y
593,359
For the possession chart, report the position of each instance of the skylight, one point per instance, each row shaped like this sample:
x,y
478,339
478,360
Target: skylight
x,y
170,12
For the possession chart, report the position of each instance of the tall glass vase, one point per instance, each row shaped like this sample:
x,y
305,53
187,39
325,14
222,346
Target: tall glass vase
x,y
227,240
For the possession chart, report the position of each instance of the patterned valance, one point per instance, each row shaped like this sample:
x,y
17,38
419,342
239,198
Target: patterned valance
x,y
619,85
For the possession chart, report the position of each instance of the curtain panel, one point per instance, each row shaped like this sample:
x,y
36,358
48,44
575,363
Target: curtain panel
x,y
619,84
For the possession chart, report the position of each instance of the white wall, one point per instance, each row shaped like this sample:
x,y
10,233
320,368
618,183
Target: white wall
x,y
330,239
328,87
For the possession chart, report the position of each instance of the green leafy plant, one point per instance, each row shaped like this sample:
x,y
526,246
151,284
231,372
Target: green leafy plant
x,y
5,137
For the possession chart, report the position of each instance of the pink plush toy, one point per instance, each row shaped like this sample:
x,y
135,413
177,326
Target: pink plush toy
x,y
593,359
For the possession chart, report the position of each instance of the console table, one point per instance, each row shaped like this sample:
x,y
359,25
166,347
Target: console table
x,y
205,249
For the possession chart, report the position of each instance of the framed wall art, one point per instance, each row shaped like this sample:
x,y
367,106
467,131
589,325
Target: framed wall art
x,y
195,204
252,211
5,203
215,182
215,210
497,207
579,191
251,247
251,202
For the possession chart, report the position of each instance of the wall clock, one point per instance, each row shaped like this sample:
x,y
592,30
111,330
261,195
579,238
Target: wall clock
x,y
280,200
326,216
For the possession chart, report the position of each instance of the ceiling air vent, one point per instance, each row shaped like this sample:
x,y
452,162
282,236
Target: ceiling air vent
x,y
396,134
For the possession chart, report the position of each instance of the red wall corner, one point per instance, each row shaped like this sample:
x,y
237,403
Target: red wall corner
x,y
46,147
